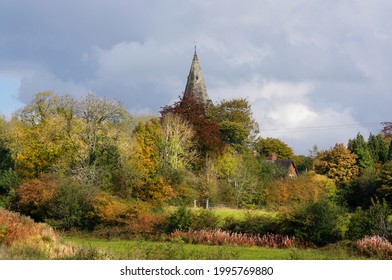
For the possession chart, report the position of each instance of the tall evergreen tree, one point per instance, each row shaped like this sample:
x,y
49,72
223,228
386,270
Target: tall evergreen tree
x,y
359,147
377,148
390,151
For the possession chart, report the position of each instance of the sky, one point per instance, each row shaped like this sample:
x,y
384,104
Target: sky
x,y
316,72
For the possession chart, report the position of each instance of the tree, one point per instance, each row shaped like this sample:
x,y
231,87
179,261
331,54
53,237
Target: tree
x,y
310,187
148,184
266,147
176,145
386,182
337,163
235,174
237,125
33,196
387,129
207,134
377,148
6,160
359,147
317,222
78,138
362,189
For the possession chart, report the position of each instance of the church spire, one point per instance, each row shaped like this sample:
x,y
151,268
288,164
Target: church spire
x,y
195,86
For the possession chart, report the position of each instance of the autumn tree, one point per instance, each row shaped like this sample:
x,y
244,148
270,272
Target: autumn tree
x,y
38,136
207,134
337,163
75,137
387,129
33,196
176,143
148,184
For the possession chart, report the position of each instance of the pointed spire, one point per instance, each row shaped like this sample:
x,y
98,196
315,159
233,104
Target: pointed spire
x,y
195,86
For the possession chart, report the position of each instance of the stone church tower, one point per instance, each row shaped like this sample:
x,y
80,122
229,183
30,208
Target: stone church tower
x,y
195,86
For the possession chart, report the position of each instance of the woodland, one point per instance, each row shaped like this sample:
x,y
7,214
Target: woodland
x,y
89,166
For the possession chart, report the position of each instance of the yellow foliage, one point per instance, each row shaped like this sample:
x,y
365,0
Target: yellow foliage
x,y
306,188
110,210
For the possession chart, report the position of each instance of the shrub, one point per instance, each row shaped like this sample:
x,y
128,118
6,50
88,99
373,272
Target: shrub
x,y
254,224
179,220
109,210
316,222
33,196
204,219
375,247
70,206
137,218
373,221
8,180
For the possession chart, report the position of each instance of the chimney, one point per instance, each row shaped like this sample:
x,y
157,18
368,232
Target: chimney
x,y
272,156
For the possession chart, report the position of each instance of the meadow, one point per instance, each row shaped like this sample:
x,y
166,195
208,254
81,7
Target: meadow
x,y
154,250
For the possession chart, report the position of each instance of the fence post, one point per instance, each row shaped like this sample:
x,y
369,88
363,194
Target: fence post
x,y
195,203
207,204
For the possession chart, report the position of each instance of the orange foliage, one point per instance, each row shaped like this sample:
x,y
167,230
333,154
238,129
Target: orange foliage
x,y
34,195
17,230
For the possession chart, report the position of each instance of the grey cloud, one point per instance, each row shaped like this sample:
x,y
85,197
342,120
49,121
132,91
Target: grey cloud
x,y
140,53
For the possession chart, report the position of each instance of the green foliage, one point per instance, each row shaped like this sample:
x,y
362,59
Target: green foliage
x,y
179,220
237,177
237,125
70,206
359,147
390,151
254,224
360,191
8,180
204,219
266,147
386,182
304,163
377,148
316,222
373,221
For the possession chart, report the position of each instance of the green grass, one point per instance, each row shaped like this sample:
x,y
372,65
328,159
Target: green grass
x,y
240,214
140,249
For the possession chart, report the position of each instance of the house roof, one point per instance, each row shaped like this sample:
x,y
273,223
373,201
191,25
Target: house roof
x,y
286,163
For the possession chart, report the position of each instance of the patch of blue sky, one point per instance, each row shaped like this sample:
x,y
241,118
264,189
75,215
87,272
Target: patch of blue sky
x,y
9,102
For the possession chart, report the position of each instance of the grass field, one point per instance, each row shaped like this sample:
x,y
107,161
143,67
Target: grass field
x,y
240,214
148,250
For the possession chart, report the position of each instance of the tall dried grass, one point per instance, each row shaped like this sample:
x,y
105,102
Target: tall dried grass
x,y
21,234
220,237
375,247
